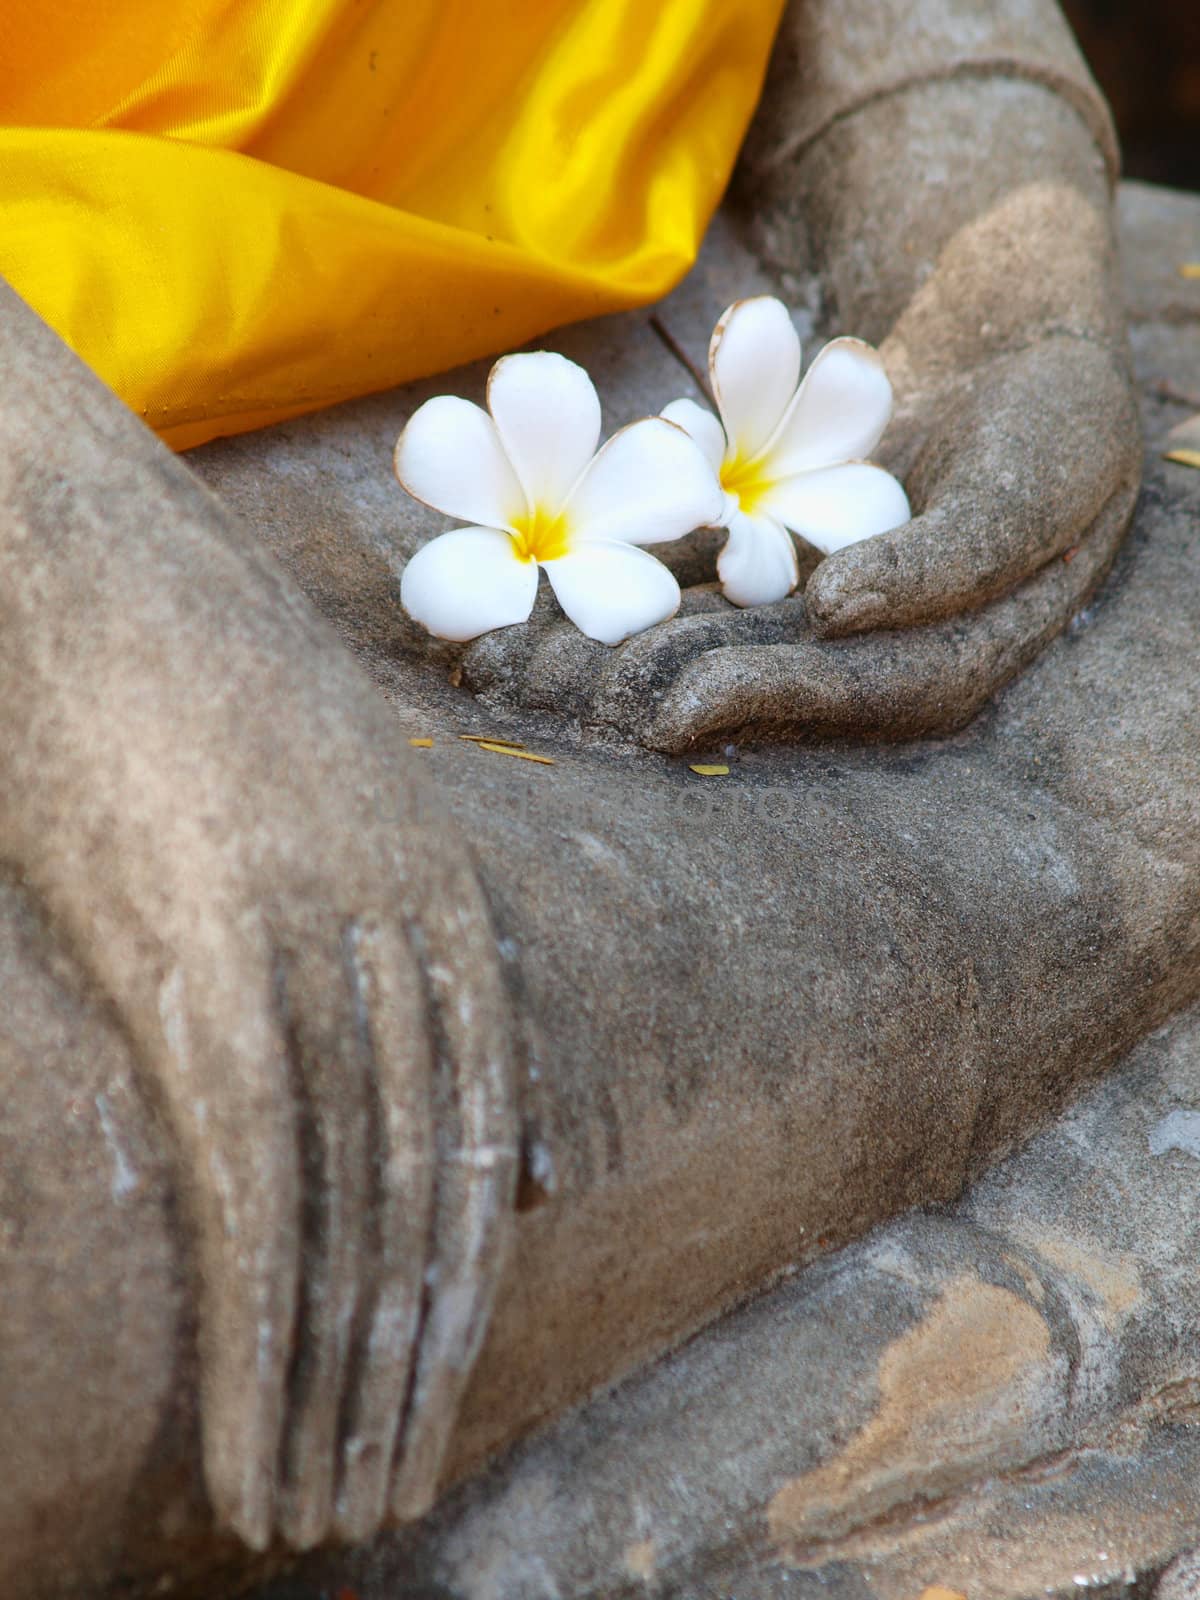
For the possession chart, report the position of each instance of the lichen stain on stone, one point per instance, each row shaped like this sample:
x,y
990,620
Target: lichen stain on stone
x,y
1179,1130
1034,1287
641,1560
953,1392
1113,1279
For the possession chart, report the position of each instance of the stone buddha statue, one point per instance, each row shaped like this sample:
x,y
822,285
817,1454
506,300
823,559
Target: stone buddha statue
x,y
367,1105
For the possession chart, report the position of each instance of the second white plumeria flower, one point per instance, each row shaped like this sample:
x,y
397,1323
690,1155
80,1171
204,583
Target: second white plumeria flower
x,y
790,454
530,479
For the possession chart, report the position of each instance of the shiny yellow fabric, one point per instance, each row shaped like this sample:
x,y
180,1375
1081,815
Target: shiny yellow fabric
x,y
237,210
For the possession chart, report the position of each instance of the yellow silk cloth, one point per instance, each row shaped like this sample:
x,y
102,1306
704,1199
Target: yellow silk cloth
x,y
237,210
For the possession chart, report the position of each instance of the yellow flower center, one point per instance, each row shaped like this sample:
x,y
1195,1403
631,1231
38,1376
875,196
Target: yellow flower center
x,y
540,535
747,480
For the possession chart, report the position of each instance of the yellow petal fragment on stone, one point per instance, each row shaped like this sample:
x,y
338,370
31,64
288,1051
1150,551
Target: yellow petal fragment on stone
x,y
710,769
512,750
1185,458
421,744
1189,269
486,738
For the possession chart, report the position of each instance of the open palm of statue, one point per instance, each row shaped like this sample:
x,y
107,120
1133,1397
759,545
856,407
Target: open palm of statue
x,y
998,317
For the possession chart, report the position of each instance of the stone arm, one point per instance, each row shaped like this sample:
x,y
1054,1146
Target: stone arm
x,y
945,171
205,796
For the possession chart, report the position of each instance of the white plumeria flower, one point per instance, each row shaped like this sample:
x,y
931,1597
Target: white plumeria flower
x,y
529,476
790,454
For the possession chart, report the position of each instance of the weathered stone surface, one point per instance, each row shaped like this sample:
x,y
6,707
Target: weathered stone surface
x,y
1037,872
1000,1398
1181,1580
830,63
935,944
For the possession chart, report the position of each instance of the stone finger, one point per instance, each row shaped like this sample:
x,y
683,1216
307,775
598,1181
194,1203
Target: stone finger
x,y
391,1000
497,661
1016,474
633,680
898,684
329,1088
223,1076
474,1185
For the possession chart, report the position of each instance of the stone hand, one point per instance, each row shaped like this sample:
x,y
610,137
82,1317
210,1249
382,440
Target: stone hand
x,y
1006,530
207,796
965,226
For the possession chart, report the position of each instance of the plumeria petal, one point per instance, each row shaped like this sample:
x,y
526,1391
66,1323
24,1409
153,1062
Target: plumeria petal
x,y
611,589
649,483
839,413
758,565
547,413
837,506
754,359
702,426
450,456
467,582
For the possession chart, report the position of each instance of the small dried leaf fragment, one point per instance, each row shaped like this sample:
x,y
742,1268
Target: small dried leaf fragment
x,y
1184,458
1184,440
710,769
512,750
490,739
938,1591
421,744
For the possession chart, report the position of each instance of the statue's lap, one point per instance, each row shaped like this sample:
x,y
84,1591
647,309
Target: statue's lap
x,y
761,1012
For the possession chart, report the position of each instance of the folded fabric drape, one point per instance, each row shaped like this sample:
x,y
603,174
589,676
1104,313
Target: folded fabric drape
x,y
238,210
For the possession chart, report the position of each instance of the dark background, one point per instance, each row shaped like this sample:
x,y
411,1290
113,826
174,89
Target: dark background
x,y
1146,56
